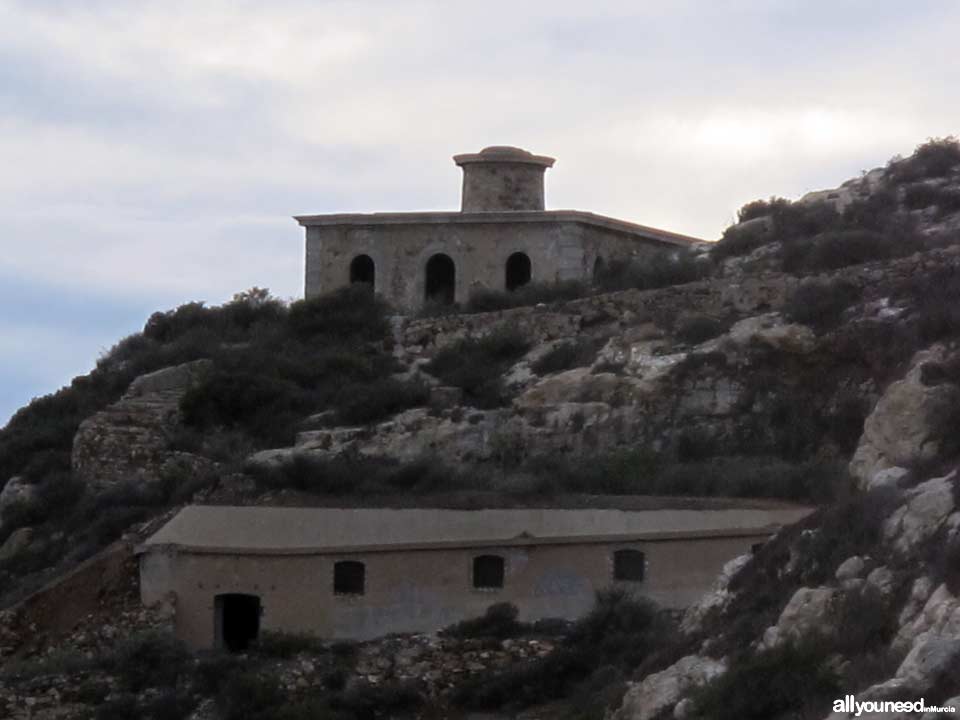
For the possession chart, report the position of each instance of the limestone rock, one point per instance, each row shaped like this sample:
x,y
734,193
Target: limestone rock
x,y
929,660
656,692
881,579
940,617
916,521
808,611
910,423
718,595
16,491
175,378
851,568
15,544
770,330
889,477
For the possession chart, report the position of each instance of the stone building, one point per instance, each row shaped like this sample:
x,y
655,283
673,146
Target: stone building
x,y
501,239
363,573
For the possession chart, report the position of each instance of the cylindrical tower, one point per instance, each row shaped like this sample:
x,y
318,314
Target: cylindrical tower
x,y
502,178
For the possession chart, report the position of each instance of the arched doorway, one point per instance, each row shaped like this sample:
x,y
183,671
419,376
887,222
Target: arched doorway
x,y
441,279
518,270
599,268
237,618
362,270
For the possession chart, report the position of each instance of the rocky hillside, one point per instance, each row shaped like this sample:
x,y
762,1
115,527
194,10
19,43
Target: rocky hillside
x,y
811,354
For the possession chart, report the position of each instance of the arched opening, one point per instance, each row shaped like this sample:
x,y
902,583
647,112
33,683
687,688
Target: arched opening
x,y
599,268
629,565
488,571
362,270
237,618
349,578
441,279
518,270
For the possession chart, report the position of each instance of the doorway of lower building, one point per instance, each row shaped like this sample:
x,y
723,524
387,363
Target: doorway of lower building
x,y
441,279
237,620
518,271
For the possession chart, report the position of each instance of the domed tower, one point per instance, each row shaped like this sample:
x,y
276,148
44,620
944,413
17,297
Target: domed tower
x,y
502,178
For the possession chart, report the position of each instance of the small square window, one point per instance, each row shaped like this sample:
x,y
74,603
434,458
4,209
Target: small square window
x,y
629,565
488,571
349,577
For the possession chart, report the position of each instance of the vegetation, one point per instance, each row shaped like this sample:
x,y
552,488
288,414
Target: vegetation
x,y
477,364
618,634
658,270
567,355
525,295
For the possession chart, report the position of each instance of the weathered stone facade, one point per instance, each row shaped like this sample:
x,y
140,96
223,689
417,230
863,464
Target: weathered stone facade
x,y
501,239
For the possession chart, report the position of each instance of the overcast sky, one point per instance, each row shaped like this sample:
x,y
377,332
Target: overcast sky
x,y
152,153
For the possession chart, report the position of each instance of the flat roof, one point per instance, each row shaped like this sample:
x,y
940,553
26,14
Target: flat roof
x,y
219,529
515,216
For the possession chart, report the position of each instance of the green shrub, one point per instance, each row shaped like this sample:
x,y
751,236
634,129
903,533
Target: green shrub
x,y
499,621
819,304
565,356
152,659
365,701
351,313
363,403
283,645
788,679
483,300
659,269
250,695
695,329
936,158
477,364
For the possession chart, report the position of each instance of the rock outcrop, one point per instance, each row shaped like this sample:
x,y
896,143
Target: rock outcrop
x,y
657,692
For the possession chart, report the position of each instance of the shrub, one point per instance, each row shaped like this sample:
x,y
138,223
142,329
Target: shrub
x,y
483,300
936,158
499,621
695,329
761,208
565,356
368,702
477,364
738,240
820,304
151,659
659,269
790,678
362,403
283,645
250,694
351,313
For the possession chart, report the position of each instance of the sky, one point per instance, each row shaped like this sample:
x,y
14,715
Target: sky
x,y
153,153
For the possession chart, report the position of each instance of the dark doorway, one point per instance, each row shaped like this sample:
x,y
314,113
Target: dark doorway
x,y
362,270
238,620
441,280
599,269
518,270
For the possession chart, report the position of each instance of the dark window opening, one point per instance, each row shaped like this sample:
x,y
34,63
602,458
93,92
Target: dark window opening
x,y
629,565
237,620
518,270
362,270
441,279
348,578
488,571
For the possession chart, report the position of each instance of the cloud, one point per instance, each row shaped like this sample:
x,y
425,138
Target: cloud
x,y
154,151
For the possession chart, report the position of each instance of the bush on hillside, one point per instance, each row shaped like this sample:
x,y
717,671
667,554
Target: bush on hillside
x,y
477,364
351,314
761,208
659,269
499,621
565,356
936,158
695,329
483,300
820,304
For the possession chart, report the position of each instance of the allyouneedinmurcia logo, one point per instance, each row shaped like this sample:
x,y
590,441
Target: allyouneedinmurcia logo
x,y
850,705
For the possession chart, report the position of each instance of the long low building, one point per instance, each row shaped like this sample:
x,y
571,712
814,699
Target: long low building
x,y
363,573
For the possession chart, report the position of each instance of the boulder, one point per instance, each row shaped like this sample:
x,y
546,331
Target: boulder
x,y
16,543
770,330
716,598
16,491
928,661
939,618
911,423
926,509
851,569
888,477
809,611
659,691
